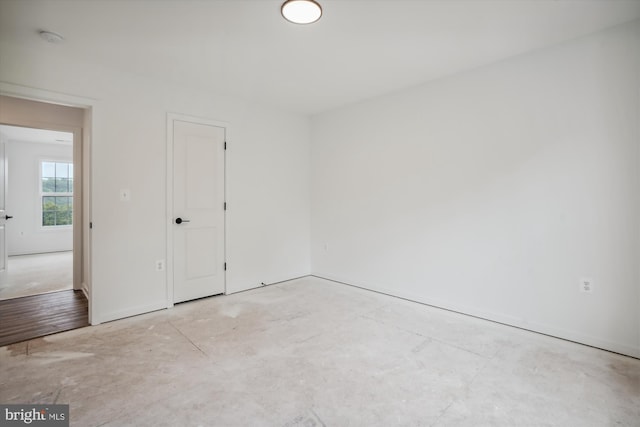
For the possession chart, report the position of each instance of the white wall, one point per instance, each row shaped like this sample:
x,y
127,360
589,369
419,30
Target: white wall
x,y
493,192
267,178
26,235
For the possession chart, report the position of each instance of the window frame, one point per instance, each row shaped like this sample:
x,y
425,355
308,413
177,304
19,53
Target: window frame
x,y
42,194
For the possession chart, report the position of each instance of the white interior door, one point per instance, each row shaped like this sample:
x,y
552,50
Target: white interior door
x,y
4,259
198,210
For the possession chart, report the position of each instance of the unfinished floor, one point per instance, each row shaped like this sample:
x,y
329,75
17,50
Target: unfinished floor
x,y
310,352
37,274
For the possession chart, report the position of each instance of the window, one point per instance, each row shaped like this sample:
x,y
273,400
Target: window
x,y
56,192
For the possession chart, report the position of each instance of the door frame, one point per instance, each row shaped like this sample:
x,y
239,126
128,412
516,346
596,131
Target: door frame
x,y
82,241
4,254
171,118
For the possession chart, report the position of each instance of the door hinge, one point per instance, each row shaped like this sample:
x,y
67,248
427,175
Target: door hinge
x,y
225,206
225,266
225,145
90,225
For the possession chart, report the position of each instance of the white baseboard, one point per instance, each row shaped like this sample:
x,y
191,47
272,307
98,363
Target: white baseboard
x,y
85,291
39,252
131,311
271,281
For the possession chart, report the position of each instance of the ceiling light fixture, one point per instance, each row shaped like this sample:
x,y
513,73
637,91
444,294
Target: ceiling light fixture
x,y
301,11
50,36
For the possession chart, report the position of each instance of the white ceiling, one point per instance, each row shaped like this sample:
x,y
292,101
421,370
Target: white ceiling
x,y
16,133
358,50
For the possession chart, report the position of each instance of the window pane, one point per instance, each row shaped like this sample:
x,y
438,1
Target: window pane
x,y
57,177
48,218
62,203
48,203
62,170
48,185
62,185
64,218
48,170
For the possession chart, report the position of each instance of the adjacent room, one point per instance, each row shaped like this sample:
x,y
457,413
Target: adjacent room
x,y
40,192
325,213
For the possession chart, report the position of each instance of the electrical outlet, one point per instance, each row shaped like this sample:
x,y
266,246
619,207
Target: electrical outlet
x,y
586,285
160,265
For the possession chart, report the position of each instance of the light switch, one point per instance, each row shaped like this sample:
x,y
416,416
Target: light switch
x,y
125,195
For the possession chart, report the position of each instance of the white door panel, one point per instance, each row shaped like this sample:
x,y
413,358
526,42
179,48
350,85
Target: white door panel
x,y
202,241
198,200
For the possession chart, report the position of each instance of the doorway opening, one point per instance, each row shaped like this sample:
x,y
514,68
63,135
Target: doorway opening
x,y
44,264
39,202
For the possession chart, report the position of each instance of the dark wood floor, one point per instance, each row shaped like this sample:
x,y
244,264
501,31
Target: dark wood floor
x,y
35,316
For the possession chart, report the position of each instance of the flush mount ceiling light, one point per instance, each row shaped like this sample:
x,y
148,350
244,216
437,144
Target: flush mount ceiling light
x,y
50,36
301,11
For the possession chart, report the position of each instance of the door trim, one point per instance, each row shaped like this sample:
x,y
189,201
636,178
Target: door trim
x,y
171,118
84,150
4,255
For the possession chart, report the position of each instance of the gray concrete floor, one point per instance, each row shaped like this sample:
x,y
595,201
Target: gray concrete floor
x,y
37,274
310,352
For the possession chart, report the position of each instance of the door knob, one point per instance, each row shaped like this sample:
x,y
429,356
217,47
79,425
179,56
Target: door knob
x,y
8,217
180,220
